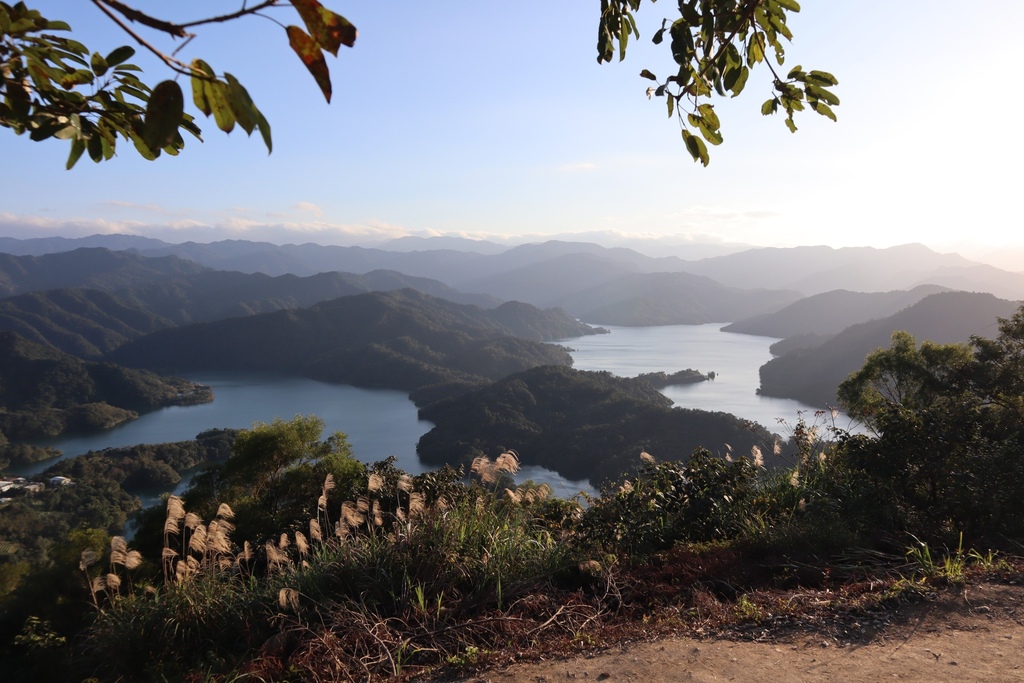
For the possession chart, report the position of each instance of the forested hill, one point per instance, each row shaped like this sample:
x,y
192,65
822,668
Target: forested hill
x,y
94,268
131,296
83,322
831,312
44,392
813,375
403,340
583,425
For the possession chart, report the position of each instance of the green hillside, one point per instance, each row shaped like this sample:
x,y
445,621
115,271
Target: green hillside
x,y
44,392
402,340
583,425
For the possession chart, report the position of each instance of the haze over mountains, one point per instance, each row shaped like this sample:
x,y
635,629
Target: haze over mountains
x,y
549,273
443,317
812,374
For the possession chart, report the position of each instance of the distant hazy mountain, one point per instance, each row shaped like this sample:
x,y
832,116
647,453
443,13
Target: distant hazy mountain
x,y
464,270
310,259
831,312
688,248
813,375
402,340
551,281
809,270
413,243
37,246
813,270
671,299
94,268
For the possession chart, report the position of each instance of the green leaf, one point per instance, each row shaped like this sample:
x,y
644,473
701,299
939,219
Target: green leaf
x,y
163,114
791,5
199,86
98,64
825,110
770,106
822,94
329,30
77,147
119,55
95,148
711,135
696,147
794,72
77,77
741,82
791,124
264,127
647,74
755,49
822,78
623,38
217,95
144,151
682,43
707,112
312,56
671,105
241,104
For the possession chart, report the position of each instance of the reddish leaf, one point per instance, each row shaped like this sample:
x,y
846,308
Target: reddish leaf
x,y
312,56
328,29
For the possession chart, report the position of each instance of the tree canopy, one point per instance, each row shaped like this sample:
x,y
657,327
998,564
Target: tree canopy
x,y
949,429
54,87
715,44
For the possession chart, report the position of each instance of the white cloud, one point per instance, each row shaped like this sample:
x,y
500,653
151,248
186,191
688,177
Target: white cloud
x,y
309,207
152,208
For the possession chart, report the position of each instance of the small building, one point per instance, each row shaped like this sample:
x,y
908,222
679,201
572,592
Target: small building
x,y
60,481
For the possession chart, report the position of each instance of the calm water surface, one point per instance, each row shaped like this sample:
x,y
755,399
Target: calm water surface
x,y
380,423
735,358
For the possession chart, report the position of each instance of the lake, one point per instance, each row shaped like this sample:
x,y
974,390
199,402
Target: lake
x,y
735,359
380,423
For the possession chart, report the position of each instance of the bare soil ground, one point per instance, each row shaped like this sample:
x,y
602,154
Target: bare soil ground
x,y
966,633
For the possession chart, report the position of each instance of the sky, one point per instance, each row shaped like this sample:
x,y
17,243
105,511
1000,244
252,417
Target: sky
x,y
494,120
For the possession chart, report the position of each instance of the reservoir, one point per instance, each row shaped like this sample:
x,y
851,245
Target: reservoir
x,y
380,423
734,358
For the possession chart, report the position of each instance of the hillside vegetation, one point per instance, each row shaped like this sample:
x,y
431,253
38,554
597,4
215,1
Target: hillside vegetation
x,y
583,425
831,312
291,560
44,392
88,302
401,340
812,375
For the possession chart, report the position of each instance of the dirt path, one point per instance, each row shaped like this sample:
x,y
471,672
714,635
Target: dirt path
x,y
976,634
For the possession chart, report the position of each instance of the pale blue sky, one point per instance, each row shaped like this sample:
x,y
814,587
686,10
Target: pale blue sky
x,y
493,119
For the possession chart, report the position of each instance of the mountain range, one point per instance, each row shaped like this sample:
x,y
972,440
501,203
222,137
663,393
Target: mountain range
x,y
515,273
813,374
401,340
